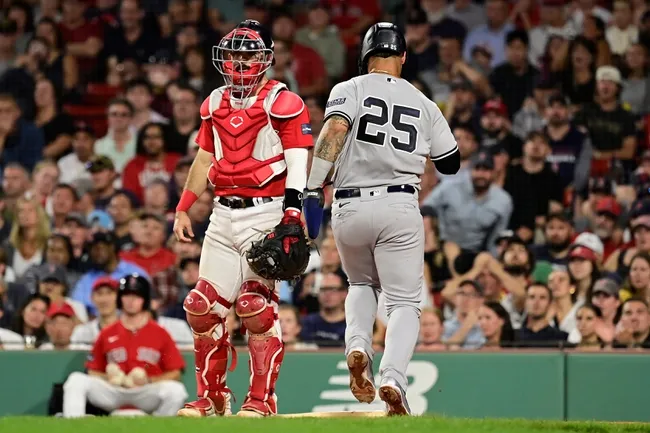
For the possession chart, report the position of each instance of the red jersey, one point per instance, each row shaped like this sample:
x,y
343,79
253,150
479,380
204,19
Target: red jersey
x,y
151,347
294,131
140,172
346,13
159,261
89,29
308,65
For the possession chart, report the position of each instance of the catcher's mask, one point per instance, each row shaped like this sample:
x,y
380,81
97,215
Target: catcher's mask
x,y
243,56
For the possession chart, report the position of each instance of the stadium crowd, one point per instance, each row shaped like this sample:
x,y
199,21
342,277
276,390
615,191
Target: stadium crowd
x,y
541,240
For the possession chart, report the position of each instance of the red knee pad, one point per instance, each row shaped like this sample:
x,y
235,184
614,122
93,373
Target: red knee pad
x,y
199,303
254,307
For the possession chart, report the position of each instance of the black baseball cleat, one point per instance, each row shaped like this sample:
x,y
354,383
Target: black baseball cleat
x,y
362,382
395,398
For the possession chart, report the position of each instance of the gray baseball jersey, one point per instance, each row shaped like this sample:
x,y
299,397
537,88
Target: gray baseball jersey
x,y
380,235
394,128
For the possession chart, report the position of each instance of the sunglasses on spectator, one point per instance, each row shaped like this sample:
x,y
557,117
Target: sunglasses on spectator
x,y
119,114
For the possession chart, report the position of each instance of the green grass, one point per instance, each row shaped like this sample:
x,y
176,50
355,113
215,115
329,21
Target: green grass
x,y
305,425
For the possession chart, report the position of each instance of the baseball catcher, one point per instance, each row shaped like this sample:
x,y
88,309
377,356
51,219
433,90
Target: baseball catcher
x,y
254,144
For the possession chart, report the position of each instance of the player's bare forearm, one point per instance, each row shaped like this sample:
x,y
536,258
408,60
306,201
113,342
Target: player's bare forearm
x,y
168,375
331,139
197,178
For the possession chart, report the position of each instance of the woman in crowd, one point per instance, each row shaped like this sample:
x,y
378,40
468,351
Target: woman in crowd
x,y
587,318
562,313
636,83
431,330
638,283
59,252
30,320
61,68
57,126
619,261
594,31
583,270
495,323
579,78
28,236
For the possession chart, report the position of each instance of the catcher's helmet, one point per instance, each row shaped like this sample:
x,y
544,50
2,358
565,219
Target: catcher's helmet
x,y
135,284
243,56
382,38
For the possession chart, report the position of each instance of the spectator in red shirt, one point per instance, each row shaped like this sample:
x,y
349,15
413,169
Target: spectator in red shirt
x,y
353,17
134,361
151,161
150,253
84,39
604,225
308,66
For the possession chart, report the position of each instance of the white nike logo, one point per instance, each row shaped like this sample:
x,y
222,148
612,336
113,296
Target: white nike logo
x,y
113,338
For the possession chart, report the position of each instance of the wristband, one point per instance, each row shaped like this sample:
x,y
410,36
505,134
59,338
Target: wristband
x,y
187,200
292,199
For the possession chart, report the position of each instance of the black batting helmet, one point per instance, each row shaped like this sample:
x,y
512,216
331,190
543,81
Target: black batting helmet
x,y
135,284
382,38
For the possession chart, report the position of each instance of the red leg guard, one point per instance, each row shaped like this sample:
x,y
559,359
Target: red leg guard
x,y
255,306
211,350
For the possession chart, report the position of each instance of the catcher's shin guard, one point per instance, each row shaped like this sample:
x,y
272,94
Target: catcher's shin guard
x,y
211,349
256,308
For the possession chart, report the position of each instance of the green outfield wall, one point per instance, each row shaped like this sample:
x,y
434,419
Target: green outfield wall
x,y
534,385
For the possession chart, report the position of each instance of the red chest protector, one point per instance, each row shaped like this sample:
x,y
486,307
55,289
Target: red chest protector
x,y
248,152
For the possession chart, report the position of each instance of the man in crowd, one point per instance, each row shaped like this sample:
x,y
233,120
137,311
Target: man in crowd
x,y
536,330
73,165
328,325
558,234
635,325
150,253
462,329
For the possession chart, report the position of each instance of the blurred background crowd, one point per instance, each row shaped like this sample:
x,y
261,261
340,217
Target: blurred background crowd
x,y
541,240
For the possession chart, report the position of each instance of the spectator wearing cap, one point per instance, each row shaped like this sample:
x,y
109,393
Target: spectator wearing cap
x,y
472,212
611,128
77,229
571,149
120,142
622,33
558,234
530,116
461,108
323,37
536,331
73,166
57,125
638,282
185,119
633,330
635,92
122,211
605,297
619,261
605,226
585,256
53,283
84,38
139,93
599,187
102,171
495,129
28,236
534,187
307,65
468,13
105,262
63,202
565,303
20,140
104,298
422,49
554,22
491,35
151,163
150,253
29,320
60,322
462,329
130,38
514,79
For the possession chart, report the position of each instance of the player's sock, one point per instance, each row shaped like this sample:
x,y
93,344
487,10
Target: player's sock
x,y
401,338
361,309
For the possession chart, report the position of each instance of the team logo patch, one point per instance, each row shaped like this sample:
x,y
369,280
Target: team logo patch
x,y
334,102
306,128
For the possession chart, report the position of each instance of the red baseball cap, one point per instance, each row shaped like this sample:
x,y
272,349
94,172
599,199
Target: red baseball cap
x,y
583,253
62,309
496,106
106,282
608,205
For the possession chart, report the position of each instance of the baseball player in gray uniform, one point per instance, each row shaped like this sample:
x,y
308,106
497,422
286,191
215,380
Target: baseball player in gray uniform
x,y
379,130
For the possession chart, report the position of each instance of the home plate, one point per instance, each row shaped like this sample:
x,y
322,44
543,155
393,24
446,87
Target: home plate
x,y
373,414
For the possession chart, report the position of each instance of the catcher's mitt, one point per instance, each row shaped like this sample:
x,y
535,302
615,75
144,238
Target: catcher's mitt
x,y
282,255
